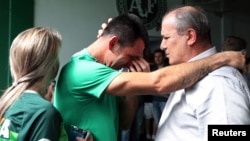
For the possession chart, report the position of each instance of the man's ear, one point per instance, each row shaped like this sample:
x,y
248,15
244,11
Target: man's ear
x,y
191,35
113,42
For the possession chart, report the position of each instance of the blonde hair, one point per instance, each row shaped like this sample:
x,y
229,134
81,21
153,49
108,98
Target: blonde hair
x,y
33,60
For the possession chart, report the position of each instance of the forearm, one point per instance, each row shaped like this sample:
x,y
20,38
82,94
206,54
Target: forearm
x,y
174,77
186,74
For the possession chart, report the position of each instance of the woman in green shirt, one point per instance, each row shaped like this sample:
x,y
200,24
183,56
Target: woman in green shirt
x,y
24,113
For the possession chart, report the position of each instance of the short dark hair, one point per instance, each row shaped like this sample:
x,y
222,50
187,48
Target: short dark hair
x,y
159,51
166,60
128,28
234,43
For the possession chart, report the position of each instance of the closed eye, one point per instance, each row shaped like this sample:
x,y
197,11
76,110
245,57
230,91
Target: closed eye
x,y
165,38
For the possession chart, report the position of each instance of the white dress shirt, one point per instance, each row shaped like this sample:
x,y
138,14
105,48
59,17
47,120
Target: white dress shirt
x,y
222,97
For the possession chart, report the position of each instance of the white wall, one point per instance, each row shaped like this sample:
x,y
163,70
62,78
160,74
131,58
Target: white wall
x,y
77,20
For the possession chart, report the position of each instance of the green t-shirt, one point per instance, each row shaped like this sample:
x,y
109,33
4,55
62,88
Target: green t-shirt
x,y
31,118
80,99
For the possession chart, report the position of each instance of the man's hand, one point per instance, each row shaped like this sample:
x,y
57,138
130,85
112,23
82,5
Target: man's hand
x,y
104,25
89,138
80,139
139,65
236,59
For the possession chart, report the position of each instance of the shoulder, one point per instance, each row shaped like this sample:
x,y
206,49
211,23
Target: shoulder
x,y
80,71
220,79
224,69
227,72
223,80
37,104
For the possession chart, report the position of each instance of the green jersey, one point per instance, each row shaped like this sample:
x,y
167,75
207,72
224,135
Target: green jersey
x,y
80,98
31,118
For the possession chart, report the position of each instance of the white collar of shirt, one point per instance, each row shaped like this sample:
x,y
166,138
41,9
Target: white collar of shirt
x,y
31,91
204,54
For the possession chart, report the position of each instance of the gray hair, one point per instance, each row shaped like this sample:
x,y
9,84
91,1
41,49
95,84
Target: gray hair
x,y
192,17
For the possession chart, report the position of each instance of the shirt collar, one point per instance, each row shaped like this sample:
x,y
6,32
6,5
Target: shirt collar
x,y
204,54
